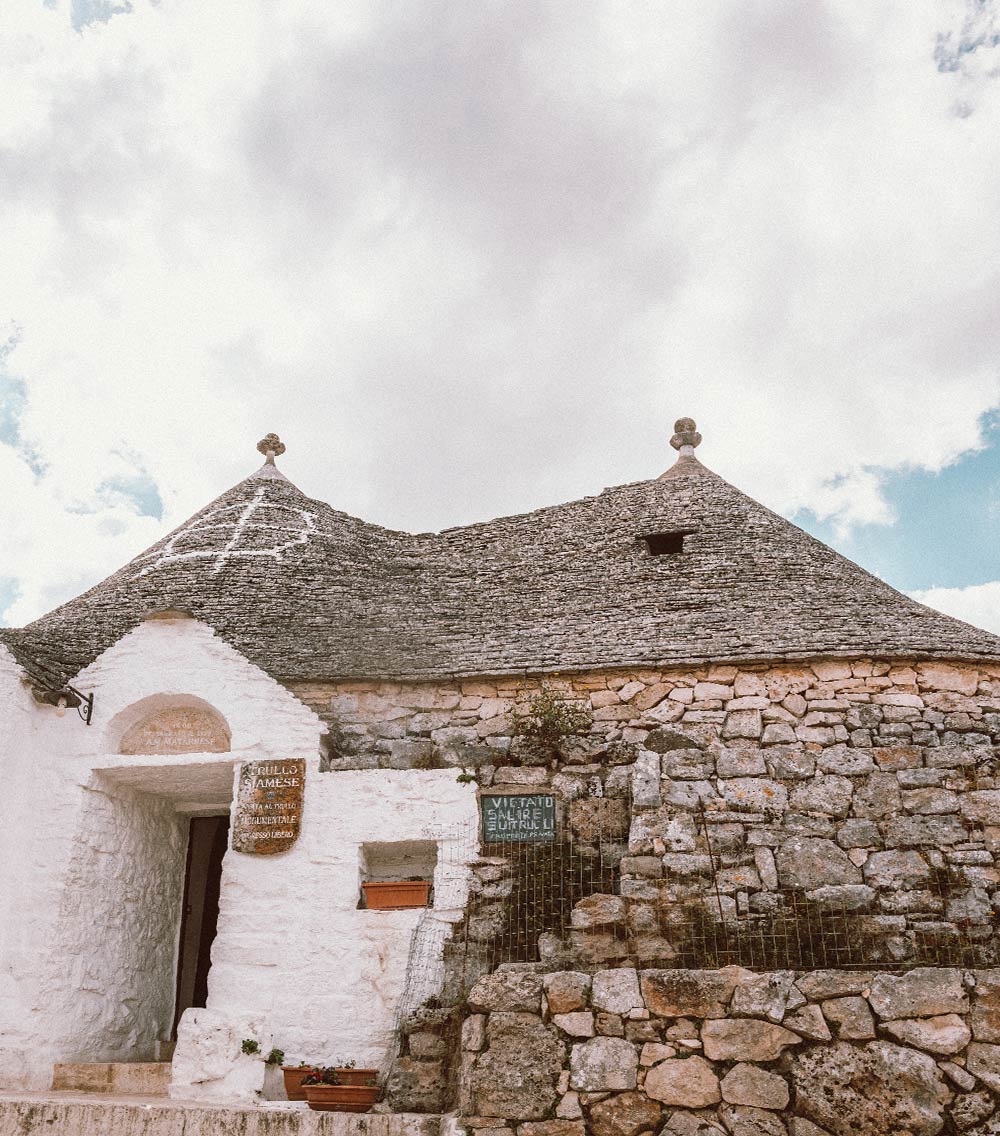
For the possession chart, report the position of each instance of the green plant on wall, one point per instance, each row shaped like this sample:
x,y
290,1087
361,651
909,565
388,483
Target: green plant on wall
x,y
550,718
250,1047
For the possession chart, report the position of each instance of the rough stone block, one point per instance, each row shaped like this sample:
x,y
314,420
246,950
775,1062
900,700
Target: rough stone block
x,y
688,993
981,806
416,1086
850,1017
568,1107
971,1109
603,1064
738,763
983,1061
566,991
551,1128
880,1088
856,833
624,1114
756,793
939,676
598,911
653,1052
743,724
805,862
762,996
746,1039
846,762
790,764
688,1083
510,988
896,870
646,780
922,993
830,795
843,897
578,1024
616,991
744,1120
917,831
595,818
985,1016
751,1085
516,1077
809,1023
945,1034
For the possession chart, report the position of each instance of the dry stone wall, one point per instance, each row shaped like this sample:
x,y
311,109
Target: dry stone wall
x,y
623,1051
709,800
863,787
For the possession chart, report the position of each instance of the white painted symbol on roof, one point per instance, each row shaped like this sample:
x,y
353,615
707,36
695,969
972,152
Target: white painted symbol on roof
x,y
244,529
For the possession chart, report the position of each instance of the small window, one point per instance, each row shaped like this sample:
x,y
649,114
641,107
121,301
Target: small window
x,y
666,543
397,874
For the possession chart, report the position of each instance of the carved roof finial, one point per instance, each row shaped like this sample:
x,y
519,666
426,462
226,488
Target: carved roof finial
x,y
271,446
686,436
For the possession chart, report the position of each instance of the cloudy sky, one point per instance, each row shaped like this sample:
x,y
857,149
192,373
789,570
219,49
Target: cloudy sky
x,y
469,259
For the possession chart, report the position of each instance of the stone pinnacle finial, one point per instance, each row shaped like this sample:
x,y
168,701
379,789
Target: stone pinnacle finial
x,y
271,446
686,436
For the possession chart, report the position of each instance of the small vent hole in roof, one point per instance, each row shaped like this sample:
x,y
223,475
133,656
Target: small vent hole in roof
x,y
666,543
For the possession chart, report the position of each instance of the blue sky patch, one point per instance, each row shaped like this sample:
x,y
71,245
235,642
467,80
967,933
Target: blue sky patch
x,y
141,489
946,528
84,12
13,398
9,592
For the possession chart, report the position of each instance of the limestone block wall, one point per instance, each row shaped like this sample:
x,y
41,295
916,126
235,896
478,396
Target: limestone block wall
x,y
866,786
623,1051
863,704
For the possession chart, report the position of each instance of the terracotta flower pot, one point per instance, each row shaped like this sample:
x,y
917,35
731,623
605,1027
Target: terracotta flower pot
x,y
293,1075
341,1098
384,895
351,1076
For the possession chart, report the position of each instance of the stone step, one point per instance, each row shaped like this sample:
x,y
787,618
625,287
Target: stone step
x,y
23,1114
131,1078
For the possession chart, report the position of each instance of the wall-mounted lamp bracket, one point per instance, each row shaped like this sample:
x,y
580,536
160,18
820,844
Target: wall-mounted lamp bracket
x,y
70,696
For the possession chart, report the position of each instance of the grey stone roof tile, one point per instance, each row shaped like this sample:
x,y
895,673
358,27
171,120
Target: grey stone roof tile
x,y
311,593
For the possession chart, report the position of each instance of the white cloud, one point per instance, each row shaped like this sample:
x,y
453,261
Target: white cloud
x,y
978,604
472,259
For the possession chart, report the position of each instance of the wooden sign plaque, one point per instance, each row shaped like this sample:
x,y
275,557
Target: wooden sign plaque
x,y
510,818
269,806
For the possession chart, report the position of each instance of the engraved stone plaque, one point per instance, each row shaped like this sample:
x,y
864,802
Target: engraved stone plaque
x,y
269,806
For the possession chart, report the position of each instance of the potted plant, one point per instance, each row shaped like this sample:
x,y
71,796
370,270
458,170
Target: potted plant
x,y
387,895
347,1074
293,1076
325,1091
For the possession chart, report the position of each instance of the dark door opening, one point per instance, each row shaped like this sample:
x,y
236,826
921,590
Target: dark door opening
x,y
208,839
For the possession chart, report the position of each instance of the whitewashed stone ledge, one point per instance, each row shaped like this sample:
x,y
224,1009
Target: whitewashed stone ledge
x,y
23,1115
734,1052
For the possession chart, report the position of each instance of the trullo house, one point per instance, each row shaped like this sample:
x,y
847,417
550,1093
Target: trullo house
x,y
611,754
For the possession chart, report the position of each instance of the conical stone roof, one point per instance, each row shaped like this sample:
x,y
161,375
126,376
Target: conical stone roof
x,y
310,593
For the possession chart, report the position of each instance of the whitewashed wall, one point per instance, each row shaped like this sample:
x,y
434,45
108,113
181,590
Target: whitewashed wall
x,y
93,862
21,874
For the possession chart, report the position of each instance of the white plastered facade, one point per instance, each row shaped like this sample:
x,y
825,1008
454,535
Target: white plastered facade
x,y
93,858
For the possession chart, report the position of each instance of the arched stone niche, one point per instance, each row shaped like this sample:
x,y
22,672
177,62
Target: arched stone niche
x,y
170,724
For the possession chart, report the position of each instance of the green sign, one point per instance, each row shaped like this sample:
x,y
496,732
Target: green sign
x,y
513,817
